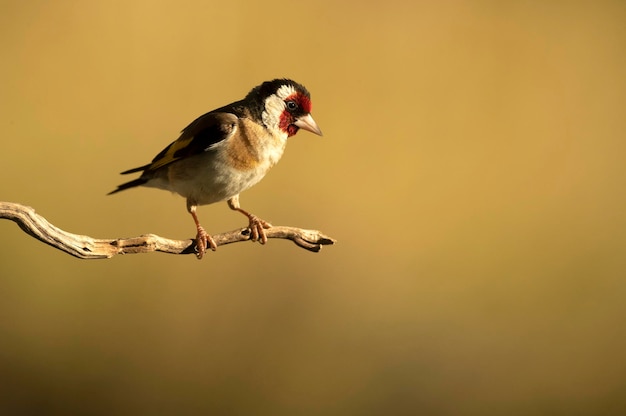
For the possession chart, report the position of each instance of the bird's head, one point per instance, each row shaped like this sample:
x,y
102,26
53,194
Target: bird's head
x,y
285,106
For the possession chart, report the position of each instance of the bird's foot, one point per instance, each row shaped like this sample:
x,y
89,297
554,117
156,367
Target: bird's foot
x,y
203,240
257,228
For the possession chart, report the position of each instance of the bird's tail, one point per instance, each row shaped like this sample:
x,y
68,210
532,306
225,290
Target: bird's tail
x,y
136,182
128,185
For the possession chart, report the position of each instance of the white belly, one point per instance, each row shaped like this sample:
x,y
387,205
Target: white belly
x,y
205,179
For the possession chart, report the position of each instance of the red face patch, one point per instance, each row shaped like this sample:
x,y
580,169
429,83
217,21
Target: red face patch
x,y
303,102
286,123
287,118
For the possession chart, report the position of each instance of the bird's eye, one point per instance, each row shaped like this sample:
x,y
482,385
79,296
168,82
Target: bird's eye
x,y
291,105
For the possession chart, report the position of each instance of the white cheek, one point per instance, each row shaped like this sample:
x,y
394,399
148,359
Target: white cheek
x,y
274,107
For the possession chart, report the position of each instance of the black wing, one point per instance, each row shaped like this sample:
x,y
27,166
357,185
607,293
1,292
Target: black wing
x,y
199,136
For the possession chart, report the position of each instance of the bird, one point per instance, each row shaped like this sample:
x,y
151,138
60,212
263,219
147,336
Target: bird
x,y
228,150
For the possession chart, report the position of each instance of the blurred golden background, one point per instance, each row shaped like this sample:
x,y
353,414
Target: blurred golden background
x,y
472,169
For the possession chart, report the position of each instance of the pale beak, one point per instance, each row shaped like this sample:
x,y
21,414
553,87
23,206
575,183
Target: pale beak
x,y
307,123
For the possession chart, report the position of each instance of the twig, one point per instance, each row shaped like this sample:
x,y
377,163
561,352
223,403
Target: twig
x,y
85,247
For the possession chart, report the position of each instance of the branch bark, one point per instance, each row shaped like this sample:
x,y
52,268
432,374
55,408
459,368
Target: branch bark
x,y
85,247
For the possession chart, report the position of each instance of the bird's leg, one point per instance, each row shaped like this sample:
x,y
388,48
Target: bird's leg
x,y
202,238
257,225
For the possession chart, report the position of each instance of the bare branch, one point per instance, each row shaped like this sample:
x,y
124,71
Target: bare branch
x,y
85,247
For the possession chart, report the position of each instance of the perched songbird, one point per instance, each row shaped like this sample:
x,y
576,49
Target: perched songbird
x,y
228,150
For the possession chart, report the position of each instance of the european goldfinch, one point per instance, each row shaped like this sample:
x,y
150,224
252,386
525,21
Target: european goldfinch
x,y
228,150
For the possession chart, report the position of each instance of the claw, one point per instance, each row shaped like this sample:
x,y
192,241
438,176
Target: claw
x,y
202,241
202,238
257,229
256,225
